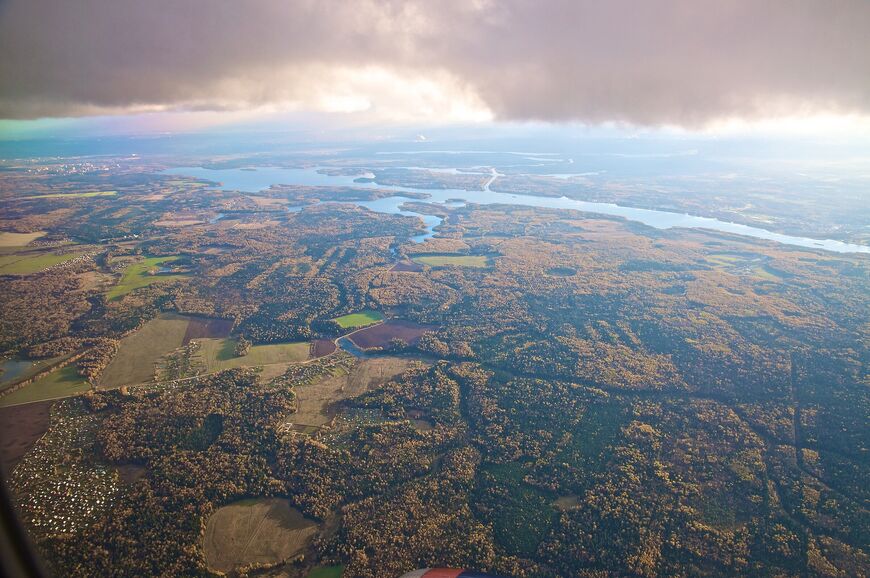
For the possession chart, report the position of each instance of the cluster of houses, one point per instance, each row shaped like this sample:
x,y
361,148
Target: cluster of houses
x,y
58,489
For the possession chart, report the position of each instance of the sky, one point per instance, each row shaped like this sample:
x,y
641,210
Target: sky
x,y
680,65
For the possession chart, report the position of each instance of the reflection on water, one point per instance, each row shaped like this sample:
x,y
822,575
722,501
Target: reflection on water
x,y
12,368
349,346
263,178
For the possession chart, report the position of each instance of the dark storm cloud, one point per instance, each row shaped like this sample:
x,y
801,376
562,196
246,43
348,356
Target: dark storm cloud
x,y
681,62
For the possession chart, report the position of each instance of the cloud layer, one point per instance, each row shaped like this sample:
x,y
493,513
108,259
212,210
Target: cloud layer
x,y
678,62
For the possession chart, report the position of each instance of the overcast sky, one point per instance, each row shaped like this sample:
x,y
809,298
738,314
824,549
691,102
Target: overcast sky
x,y
684,63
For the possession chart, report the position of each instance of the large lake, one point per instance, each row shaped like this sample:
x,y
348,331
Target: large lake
x,y
261,178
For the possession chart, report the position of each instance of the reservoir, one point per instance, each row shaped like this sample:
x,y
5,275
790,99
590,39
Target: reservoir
x,y
252,181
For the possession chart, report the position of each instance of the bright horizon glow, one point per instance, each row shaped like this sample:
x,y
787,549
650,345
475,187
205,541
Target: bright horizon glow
x,y
354,111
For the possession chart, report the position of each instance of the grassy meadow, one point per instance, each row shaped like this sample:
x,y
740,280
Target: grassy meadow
x,y
360,319
750,266
142,274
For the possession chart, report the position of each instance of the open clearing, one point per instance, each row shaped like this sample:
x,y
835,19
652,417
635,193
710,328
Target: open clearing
x,y
747,264
360,319
219,354
75,195
314,400
268,201
262,531
18,239
566,502
32,263
95,280
561,271
764,273
726,259
407,266
380,335
141,350
478,261
60,383
129,473
143,274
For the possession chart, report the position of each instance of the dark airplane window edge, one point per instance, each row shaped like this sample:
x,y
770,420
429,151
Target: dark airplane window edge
x,y
18,559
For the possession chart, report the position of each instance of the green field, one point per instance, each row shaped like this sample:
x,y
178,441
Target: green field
x,y
19,239
764,273
61,383
759,271
142,349
75,195
178,183
219,354
141,275
326,572
479,261
360,319
27,264
724,259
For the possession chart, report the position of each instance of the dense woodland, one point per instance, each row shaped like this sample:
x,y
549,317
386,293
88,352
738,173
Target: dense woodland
x,y
603,399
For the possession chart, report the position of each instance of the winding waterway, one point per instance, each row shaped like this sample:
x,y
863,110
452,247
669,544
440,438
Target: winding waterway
x,y
263,177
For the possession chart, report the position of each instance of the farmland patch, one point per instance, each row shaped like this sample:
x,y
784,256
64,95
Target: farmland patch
x,y
381,335
207,327
140,351
19,239
321,347
20,428
220,354
32,263
75,195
